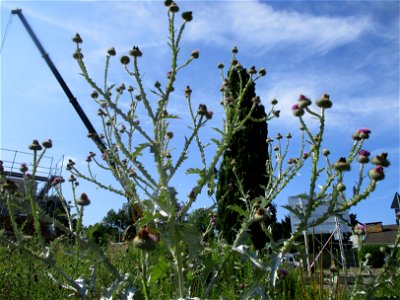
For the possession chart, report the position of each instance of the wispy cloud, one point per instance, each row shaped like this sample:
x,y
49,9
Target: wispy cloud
x,y
259,27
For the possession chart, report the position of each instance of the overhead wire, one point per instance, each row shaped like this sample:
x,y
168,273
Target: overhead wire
x,y
6,32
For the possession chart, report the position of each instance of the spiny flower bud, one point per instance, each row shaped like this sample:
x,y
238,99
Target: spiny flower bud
x,y
235,50
121,88
252,70
83,200
256,100
135,52
35,146
381,160
94,95
292,161
130,89
341,165
276,113
122,129
288,135
220,66
326,152
202,110
360,229
77,38
195,54
47,143
341,187
131,173
274,102
145,240
57,180
112,51
278,136
262,72
297,110
304,101
78,54
23,168
125,60
361,134
187,16
173,7
170,134
324,102
72,178
260,215
188,91
167,2
363,156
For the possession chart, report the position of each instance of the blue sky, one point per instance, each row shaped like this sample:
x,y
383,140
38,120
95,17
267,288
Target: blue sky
x,y
349,49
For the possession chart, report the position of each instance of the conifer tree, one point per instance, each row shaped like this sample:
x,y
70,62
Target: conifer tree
x,y
247,156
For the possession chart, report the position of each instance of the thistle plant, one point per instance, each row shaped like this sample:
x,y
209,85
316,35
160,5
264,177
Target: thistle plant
x,y
166,247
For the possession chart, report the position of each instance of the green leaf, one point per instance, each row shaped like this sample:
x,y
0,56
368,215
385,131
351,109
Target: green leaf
x,y
239,210
158,270
217,142
194,171
146,219
139,149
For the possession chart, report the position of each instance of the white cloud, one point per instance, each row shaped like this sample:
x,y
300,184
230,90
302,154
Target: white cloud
x,y
257,26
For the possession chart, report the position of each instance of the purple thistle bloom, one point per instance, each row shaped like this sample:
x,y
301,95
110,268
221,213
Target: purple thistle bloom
x,y
379,169
295,107
364,153
364,130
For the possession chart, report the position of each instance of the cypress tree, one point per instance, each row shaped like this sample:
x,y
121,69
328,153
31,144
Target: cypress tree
x,y
247,153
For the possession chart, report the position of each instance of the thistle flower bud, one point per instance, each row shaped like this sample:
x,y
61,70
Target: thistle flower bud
x,y
363,156
381,160
145,240
157,85
47,143
122,129
326,152
288,135
167,2
173,7
274,102
292,161
187,16
360,229
276,113
304,101
341,165
235,50
72,178
252,70
341,187
170,134
57,180
361,134
94,95
376,173
130,89
188,91
220,66
112,51
368,256
324,102
131,173
260,215
35,146
125,60
202,110
135,52
195,54
83,200
77,38
256,100
297,110
23,168
78,54
262,72
120,89
278,136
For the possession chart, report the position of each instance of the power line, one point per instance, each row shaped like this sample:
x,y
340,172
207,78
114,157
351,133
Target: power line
x,y
6,32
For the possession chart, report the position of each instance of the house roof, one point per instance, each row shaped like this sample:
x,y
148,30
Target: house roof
x,y
386,236
396,201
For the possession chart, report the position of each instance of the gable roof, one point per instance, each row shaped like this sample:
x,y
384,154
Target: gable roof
x,y
396,201
386,236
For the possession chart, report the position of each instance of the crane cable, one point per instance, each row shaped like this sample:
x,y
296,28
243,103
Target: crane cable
x,y
6,32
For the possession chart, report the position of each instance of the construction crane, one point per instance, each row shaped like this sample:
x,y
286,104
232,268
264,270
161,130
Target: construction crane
x,y
67,91
137,212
